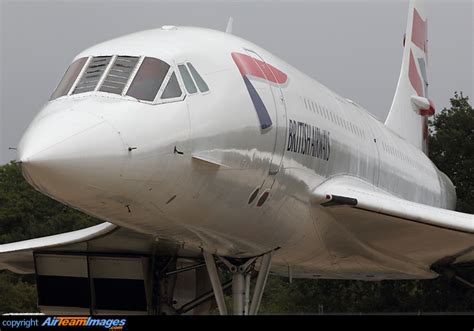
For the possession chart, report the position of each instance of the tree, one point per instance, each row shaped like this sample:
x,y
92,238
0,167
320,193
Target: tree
x,y
452,148
17,293
24,214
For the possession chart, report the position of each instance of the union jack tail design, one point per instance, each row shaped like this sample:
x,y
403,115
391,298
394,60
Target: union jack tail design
x,y
411,105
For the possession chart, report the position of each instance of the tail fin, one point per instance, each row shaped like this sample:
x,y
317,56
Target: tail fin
x,y
411,107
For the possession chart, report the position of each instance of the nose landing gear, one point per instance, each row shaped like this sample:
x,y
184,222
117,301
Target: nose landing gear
x,y
241,275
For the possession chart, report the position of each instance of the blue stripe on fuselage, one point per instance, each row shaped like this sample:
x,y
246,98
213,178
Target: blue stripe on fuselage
x,y
262,113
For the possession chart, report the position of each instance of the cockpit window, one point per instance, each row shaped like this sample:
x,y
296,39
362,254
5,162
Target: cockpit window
x,y
119,74
148,79
143,78
69,78
188,81
202,86
172,89
92,75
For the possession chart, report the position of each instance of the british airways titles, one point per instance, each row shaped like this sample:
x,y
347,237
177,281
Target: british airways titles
x,y
307,139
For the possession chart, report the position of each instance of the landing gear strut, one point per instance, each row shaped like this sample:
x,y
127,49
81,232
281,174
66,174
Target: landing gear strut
x,y
451,273
241,276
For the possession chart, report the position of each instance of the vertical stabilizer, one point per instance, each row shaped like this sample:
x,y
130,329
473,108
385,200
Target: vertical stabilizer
x,y
228,29
411,107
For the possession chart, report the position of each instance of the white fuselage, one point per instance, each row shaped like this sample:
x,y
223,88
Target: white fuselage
x,y
186,170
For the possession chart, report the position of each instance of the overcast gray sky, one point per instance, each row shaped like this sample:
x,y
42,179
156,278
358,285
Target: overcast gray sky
x,y
353,47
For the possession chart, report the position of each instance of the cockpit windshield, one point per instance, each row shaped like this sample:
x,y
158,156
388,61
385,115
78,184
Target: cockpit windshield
x,y
143,78
148,79
92,75
69,78
119,74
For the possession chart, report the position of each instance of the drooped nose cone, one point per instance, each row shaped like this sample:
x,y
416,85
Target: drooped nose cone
x,y
64,152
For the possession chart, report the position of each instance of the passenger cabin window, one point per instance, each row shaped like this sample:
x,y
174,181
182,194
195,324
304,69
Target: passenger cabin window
x,y
148,80
69,78
172,89
202,86
119,74
92,75
188,81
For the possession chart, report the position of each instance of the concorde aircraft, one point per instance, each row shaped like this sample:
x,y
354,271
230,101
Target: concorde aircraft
x,y
212,162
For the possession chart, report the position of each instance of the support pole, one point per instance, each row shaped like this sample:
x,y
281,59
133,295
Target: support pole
x,y
215,282
200,300
247,294
260,285
238,292
177,271
464,281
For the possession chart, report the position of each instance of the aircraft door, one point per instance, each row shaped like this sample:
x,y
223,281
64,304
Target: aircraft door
x,y
274,78
375,135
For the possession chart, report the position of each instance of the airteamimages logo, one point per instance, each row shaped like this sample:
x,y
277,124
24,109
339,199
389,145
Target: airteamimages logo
x,y
68,321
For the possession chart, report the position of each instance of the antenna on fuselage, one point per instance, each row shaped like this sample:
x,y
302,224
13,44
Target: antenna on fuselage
x,y
228,29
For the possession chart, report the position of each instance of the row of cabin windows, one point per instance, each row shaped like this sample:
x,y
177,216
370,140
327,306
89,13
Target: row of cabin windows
x,y
329,115
324,112
139,77
392,150
402,156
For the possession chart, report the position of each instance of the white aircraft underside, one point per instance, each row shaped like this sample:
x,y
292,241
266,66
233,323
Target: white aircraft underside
x,y
266,160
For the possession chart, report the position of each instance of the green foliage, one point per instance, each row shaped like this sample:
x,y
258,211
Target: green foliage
x,y
26,213
452,148
17,293
306,296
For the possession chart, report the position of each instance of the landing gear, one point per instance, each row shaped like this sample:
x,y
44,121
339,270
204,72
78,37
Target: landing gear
x,y
180,286
155,285
241,275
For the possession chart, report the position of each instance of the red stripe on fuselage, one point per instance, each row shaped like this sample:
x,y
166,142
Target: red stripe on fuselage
x,y
419,34
250,66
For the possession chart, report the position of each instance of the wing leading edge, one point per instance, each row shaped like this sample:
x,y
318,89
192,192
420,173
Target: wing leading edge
x,y
18,256
102,239
360,195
